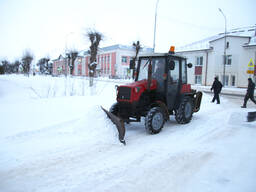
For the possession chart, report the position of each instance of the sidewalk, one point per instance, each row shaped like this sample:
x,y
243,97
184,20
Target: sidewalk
x,y
225,90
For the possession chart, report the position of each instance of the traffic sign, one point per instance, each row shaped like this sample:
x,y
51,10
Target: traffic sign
x,y
251,64
250,72
250,67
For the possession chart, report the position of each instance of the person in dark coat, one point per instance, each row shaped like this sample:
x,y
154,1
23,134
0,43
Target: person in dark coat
x,y
250,93
216,87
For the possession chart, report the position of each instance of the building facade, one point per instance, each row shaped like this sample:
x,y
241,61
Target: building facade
x,y
207,57
60,66
112,61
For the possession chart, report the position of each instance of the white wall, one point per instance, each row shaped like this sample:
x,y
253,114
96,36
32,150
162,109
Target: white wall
x,y
191,58
120,67
240,59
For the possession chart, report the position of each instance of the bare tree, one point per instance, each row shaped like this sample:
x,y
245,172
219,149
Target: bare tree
x,y
26,61
72,55
16,65
44,65
49,68
137,48
6,66
9,68
95,38
1,69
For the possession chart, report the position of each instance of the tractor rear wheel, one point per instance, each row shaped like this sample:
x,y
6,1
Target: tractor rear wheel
x,y
184,113
154,120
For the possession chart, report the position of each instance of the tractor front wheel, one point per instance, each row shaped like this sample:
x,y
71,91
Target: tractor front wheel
x,y
154,120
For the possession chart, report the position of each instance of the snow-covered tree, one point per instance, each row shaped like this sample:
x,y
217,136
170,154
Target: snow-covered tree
x,y
43,64
16,66
5,66
95,38
26,61
72,55
137,48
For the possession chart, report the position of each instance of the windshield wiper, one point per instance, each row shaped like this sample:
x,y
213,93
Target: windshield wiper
x,y
146,64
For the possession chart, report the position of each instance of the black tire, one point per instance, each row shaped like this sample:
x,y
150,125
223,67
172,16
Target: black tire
x,y
184,113
154,120
114,109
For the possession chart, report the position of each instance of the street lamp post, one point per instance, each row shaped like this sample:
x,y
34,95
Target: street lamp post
x,y
154,44
66,40
225,46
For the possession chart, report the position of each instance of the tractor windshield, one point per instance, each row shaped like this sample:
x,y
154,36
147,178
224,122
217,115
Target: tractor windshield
x,y
158,64
143,71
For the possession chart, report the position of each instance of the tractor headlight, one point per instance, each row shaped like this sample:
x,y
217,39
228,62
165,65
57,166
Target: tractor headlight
x,y
116,87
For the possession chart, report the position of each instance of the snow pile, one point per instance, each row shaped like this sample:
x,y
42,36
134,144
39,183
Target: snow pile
x,y
95,127
47,87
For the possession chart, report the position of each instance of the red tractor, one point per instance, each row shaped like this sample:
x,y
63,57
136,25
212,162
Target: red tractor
x,y
160,90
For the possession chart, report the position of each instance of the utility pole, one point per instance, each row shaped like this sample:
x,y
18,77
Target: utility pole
x,y
225,46
154,44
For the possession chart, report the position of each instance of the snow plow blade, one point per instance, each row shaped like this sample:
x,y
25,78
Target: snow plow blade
x,y
119,124
198,100
251,116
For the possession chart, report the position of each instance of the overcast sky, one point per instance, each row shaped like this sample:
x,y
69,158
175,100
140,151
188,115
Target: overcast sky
x,y
48,27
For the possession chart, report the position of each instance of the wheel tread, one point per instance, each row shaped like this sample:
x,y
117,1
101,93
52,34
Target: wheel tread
x,y
149,118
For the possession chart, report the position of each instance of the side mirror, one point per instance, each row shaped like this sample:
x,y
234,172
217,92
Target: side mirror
x,y
190,65
171,65
132,63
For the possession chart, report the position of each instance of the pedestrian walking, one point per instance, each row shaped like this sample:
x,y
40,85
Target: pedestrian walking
x,y
250,93
216,87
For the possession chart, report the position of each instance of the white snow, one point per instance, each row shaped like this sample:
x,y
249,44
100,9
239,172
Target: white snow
x,y
54,137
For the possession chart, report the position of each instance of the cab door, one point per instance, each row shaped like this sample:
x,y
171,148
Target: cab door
x,y
173,83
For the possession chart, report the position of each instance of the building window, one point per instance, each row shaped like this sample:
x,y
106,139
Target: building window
x,y
233,80
225,80
124,59
198,79
228,60
199,61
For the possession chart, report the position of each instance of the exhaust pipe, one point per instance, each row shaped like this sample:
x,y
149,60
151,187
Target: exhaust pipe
x,y
119,125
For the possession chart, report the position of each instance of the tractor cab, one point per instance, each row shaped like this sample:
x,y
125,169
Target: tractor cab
x,y
170,73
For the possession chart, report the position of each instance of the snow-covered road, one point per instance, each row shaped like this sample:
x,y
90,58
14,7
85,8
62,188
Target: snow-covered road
x,y
66,143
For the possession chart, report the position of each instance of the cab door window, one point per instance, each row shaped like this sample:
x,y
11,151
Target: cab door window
x,y
174,74
183,71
